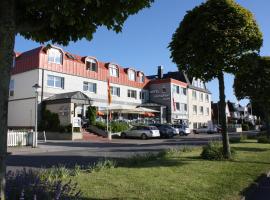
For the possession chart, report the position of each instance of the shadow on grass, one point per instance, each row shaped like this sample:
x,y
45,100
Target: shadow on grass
x,y
253,191
250,149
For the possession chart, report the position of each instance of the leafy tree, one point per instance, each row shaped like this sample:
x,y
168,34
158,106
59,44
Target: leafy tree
x,y
91,114
253,82
55,21
210,41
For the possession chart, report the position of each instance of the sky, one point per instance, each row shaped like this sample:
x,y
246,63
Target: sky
x,y
143,42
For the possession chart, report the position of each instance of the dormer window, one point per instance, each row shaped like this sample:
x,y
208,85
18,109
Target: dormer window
x,y
131,75
114,71
91,64
54,56
141,77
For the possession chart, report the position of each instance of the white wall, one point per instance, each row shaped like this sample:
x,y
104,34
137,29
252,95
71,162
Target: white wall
x,y
75,83
21,106
198,118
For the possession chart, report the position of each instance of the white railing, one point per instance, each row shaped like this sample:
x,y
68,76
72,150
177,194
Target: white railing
x,y
19,138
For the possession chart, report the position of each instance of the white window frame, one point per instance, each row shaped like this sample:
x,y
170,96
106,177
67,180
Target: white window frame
x,y
131,75
141,77
207,111
201,111
207,98
113,70
194,97
201,97
11,87
142,95
176,89
88,86
177,106
93,65
132,94
115,91
194,110
54,79
182,91
55,56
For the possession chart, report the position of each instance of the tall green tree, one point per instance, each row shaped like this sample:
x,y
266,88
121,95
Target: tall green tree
x,y
210,41
252,81
55,21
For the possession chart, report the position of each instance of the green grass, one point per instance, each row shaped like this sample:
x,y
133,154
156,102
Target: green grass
x,y
180,176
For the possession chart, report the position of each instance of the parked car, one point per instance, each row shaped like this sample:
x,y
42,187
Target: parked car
x,y
182,129
206,129
142,132
166,130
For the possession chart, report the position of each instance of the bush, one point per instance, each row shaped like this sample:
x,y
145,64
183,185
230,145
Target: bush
x,y
263,140
139,159
214,151
29,185
101,125
91,114
238,139
245,127
119,127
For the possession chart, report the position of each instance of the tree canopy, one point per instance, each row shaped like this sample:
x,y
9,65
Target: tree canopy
x,y
212,37
64,21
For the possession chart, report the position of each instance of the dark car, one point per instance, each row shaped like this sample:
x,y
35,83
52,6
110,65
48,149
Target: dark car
x,y
166,130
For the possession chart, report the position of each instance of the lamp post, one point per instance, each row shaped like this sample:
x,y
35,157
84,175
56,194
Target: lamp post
x,y
35,135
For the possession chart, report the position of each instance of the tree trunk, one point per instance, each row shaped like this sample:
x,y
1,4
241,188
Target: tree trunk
x,y
223,120
7,40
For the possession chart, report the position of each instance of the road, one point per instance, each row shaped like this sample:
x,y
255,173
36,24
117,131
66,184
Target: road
x,y
69,153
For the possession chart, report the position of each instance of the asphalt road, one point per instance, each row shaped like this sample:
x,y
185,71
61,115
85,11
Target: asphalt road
x,y
69,153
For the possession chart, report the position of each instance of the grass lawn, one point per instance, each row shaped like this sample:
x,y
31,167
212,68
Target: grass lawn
x,y
180,176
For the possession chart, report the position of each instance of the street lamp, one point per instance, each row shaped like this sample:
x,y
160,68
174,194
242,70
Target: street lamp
x,y
36,87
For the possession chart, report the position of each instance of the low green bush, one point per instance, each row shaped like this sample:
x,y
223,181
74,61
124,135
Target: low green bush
x,y
113,126
263,140
214,151
139,159
101,165
101,125
242,138
245,127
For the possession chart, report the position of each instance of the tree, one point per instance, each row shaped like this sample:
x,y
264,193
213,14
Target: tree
x,y
210,41
253,82
91,114
55,21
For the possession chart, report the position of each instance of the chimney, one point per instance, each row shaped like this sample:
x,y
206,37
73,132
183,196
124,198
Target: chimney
x,y
160,72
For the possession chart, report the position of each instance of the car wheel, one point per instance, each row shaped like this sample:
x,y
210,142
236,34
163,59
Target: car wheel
x,y
182,133
123,135
143,136
195,132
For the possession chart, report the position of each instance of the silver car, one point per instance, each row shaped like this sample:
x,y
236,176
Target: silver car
x,y
142,132
182,129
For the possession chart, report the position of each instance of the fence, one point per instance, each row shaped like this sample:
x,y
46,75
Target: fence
x,y
19,138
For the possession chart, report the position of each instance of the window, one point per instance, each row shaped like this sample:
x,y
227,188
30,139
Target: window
x,y
131,75
132,94
142,95
115,91
114,70
201,110
201,96
55,81
195,125
195,83
54,56
194,110
11,88
141,77
91,65
184,91
176,89
164,90
183,107
207,98
207,111
90,87
194,95
177,106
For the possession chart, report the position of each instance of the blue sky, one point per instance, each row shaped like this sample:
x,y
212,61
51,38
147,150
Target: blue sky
x,y
145,37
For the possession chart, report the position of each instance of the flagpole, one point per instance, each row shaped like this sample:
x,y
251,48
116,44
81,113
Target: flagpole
x,y
108,105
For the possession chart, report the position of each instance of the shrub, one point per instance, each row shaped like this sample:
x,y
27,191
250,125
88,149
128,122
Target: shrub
x,y
50,121
29,185
263,140
214,151
245,127
91,114
139,159
238,139
119,127
101,125
102,165
76,129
